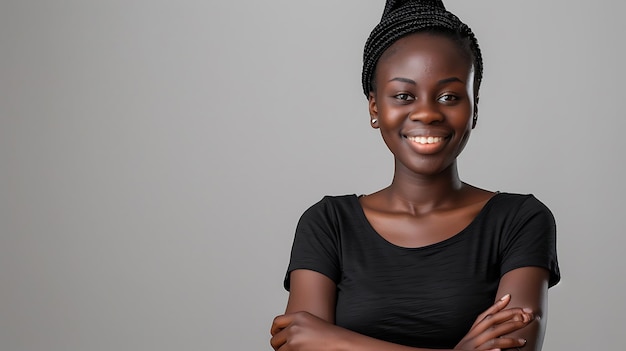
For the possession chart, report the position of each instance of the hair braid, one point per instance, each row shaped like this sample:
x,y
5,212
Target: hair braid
x,y
394,4
403,17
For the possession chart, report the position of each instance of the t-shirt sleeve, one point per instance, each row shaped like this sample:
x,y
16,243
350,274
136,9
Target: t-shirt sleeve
x,y
530,240
316,243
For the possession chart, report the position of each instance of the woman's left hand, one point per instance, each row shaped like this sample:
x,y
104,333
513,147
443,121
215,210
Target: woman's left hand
x,y
302,331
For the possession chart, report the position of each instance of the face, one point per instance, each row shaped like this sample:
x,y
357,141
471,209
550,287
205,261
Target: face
x,y
424,102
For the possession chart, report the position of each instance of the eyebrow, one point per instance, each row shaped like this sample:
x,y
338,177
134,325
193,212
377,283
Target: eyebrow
x,y
404,80
411,81
449,80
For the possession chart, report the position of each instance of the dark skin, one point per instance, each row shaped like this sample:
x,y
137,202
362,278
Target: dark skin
x,y
424,106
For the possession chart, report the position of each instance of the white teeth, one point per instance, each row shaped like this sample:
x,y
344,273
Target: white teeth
x,y
426,140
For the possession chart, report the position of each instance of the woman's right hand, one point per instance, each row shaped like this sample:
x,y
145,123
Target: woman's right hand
x,y
487,332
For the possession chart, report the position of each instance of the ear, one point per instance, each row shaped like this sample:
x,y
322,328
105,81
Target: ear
x,y
373,109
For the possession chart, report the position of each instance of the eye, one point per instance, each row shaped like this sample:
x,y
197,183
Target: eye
x,y
404,97
448,98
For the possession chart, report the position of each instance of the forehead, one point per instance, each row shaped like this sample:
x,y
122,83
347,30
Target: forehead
x,y
425,52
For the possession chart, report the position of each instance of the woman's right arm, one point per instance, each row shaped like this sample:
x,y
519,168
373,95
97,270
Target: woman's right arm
x,y
312,292
308,323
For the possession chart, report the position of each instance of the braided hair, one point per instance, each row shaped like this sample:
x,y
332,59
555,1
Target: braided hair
x,y
403,17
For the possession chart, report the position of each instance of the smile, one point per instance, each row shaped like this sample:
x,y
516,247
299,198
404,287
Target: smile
x,y
425,140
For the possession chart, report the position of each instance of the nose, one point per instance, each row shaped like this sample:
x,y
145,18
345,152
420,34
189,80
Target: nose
x,y
426,112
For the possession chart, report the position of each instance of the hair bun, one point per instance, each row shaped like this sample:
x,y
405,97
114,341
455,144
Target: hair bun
x,y
395,4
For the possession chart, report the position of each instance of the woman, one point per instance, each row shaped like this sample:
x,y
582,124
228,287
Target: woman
x,y
418,264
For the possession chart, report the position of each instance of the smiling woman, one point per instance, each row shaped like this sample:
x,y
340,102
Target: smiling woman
x,y
428,262
425,82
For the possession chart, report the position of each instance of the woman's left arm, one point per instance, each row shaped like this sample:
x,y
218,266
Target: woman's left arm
x,y
528,287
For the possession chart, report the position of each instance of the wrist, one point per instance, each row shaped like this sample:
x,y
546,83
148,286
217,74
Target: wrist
x,y
344,340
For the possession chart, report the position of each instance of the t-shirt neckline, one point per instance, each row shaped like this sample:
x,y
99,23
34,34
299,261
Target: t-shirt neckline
x,y
458,236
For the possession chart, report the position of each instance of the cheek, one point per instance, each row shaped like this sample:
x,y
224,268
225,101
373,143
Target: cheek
x,y
464,116
390,135
463,125
393,116
465,136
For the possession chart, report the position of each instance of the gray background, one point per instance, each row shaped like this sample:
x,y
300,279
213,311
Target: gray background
x,y
156,155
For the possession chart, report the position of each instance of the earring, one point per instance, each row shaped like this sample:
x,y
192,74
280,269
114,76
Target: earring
x,y
374,121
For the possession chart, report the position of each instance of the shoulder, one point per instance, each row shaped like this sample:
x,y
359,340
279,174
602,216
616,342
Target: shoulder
x,y
517,217
514,203
509,212
329,210
332,203
336,200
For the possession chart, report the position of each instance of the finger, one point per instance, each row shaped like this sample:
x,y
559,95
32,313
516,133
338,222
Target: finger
x,y
494,323
498,325
497,306
496,332
278,340
511,314
503,343
506,328
280,322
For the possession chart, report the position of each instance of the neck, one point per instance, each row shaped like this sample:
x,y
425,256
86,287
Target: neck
x,y
423,193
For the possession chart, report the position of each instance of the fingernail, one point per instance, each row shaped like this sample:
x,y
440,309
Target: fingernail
x,y
527,310
523,341
505,297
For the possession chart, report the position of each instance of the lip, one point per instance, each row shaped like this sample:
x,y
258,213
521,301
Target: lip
x,y
426,132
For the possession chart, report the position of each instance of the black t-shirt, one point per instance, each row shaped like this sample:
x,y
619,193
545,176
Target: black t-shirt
x,y
427,296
